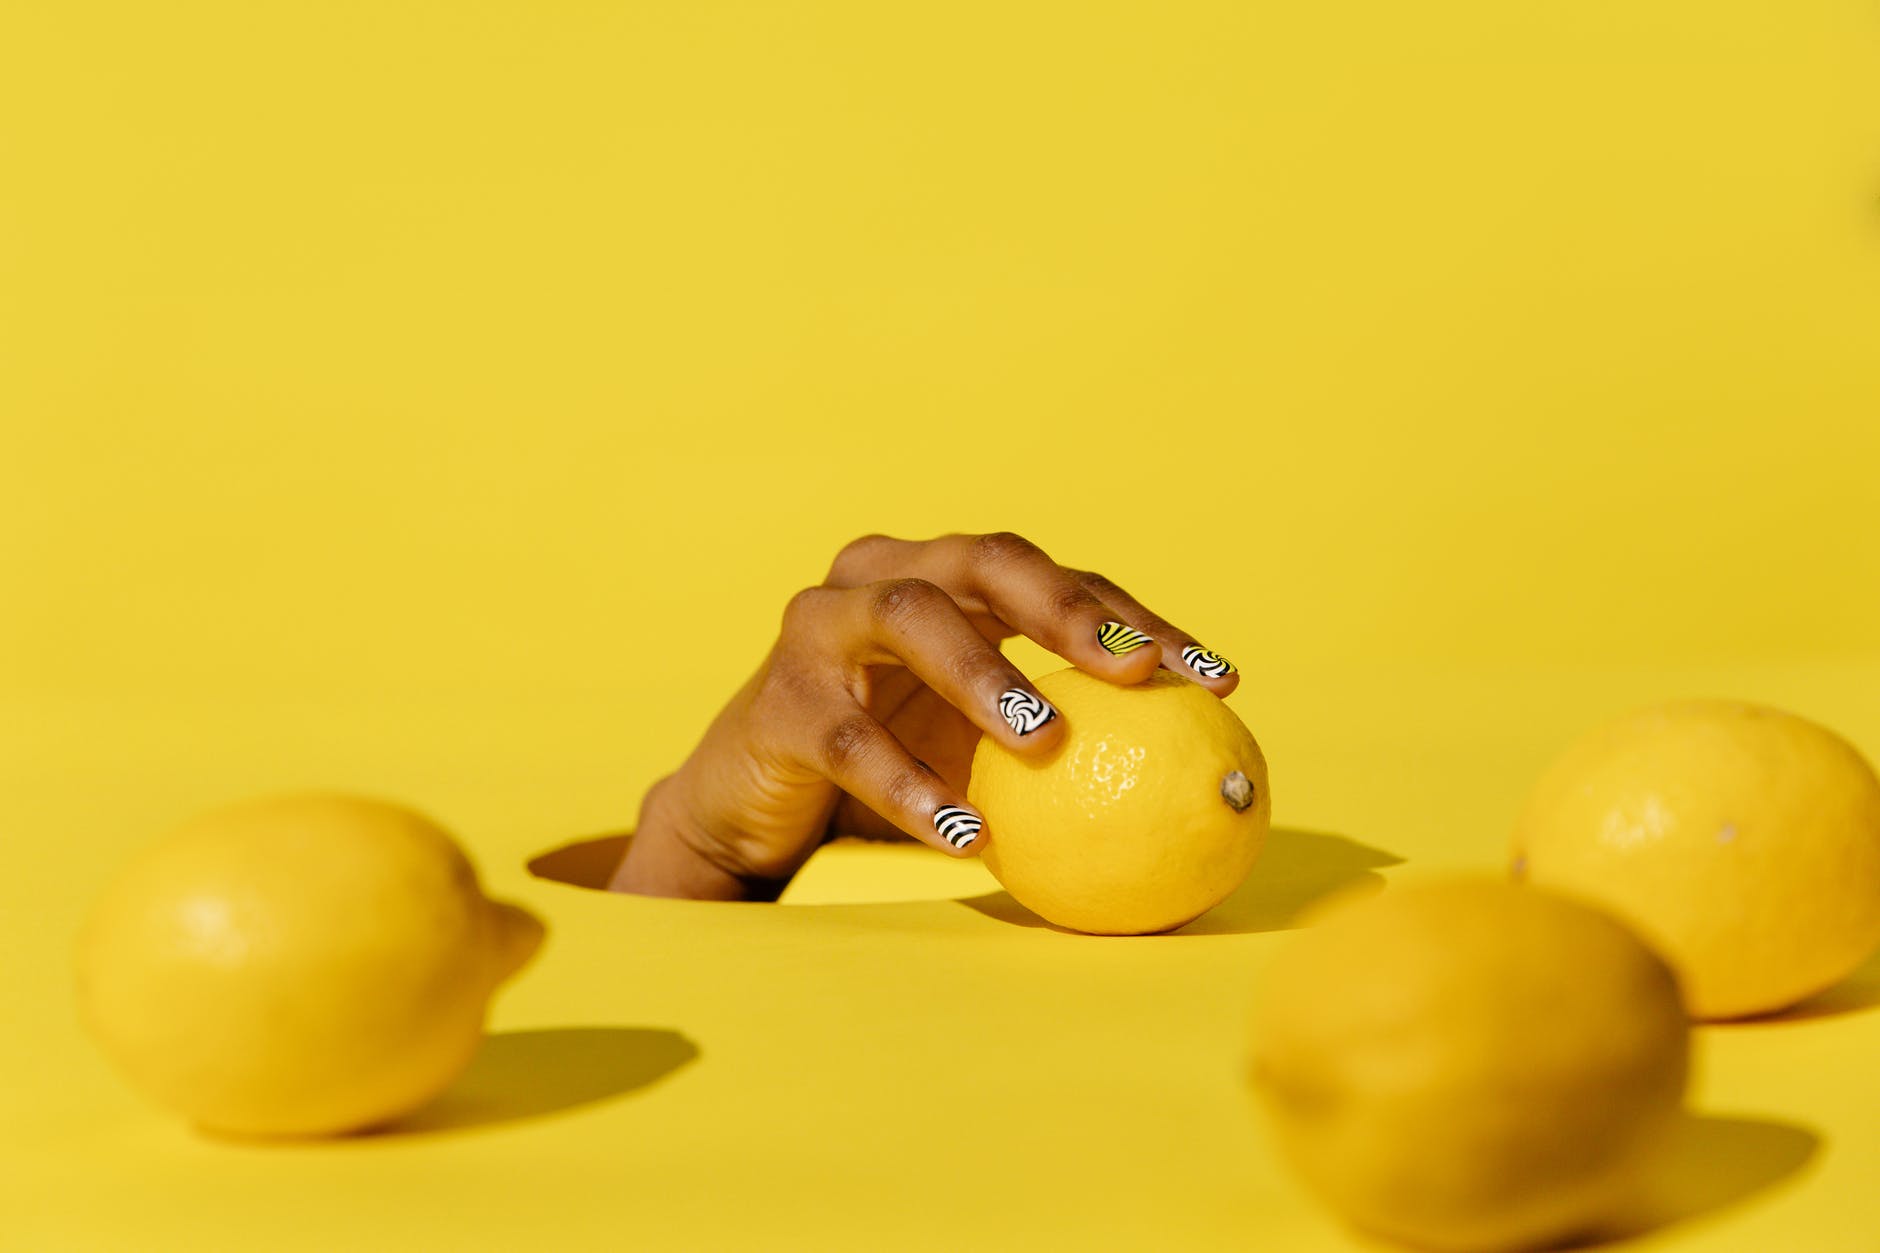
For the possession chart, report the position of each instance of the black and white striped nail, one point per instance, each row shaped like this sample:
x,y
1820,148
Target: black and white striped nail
x,y
1120,639
1207,664
958,827
1024,711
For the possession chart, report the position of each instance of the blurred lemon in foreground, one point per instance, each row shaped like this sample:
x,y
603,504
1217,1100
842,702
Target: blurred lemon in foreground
x,y
1148,814
1742,841
297,966
1471,1065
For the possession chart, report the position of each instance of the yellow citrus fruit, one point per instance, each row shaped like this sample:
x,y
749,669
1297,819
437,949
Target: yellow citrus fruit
x,y
1470,1064
1148,814
1742,841
295,966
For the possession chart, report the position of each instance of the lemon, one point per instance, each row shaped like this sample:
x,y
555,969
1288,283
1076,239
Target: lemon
x,y
1470,1064
1149,813
296,966
1743,841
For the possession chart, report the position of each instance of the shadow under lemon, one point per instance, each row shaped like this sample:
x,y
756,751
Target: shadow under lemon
x,y
1859,991
1712,1163
520,1075
1296,870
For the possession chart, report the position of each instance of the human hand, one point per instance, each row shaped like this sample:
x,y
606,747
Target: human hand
x,y
865,714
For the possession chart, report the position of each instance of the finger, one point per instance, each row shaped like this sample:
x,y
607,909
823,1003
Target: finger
x,y
915,624
1019,583
856,753
1180,651
869,559
953,561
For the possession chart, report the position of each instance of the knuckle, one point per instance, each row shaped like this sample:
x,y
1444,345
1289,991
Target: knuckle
x,y
855,557
905,794
1097,583
847,741
801,608
784,691
1071,599
970,667
1001,548
894,603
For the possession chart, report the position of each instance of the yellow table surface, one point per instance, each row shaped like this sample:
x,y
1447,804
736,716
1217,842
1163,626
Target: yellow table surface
x,y
900,1058
441,401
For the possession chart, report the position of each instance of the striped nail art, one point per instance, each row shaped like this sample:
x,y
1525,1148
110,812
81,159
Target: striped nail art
x,y
1210,665
1120,639
958,827
1025,712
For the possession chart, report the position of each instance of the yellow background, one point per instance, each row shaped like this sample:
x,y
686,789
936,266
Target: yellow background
x,y
440,401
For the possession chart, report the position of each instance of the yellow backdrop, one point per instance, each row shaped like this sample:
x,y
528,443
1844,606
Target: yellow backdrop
x,y
440,401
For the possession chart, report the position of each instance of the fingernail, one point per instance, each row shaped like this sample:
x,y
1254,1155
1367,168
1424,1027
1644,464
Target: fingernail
x,y
958,827
1120,639
1024,711
1209,665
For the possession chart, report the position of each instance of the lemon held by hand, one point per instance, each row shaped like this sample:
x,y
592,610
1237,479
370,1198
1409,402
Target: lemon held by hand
x,y
1150,813
297,966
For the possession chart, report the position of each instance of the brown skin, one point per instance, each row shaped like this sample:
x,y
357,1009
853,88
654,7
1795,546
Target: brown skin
x,y
864,716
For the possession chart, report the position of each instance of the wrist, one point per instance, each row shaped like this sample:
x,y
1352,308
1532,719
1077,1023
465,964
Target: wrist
x,y
670,855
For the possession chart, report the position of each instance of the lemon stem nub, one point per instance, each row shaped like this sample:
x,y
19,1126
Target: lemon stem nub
x,y
1237,791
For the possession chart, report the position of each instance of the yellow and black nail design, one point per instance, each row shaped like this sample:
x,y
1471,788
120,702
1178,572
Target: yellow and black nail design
x,y
1120,639
1209,665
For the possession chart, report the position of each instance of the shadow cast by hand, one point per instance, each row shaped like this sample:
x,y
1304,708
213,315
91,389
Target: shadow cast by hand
x,y
1713,1163
1296,869
519,1075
